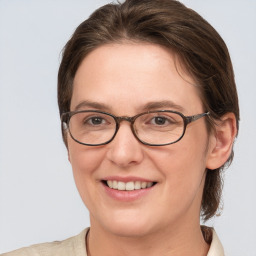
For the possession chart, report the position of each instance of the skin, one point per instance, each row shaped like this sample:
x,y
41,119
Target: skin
x,y
124,78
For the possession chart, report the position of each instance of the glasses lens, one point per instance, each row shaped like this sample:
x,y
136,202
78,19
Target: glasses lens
x,y
159,128
92,127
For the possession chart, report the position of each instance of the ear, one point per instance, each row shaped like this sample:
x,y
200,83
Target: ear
x,y
67,145
221,141
68,156
65,137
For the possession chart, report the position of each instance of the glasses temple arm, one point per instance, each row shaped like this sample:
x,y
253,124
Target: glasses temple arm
x,y
191,119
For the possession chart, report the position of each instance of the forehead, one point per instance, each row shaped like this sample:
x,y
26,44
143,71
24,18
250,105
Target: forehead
x,y
132,75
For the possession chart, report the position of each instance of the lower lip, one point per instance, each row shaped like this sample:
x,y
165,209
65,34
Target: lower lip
x,y
126,196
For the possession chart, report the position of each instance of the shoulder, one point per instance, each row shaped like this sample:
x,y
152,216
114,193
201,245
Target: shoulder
x,y
73,246
216,248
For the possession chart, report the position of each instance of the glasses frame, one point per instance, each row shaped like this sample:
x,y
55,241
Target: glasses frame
x,y
65,119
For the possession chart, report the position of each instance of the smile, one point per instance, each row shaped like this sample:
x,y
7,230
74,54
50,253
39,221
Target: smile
x,y
128,186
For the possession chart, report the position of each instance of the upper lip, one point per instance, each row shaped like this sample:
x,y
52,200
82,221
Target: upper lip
x,y
127,179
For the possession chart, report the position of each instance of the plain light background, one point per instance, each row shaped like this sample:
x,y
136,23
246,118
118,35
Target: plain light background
x,y
38,198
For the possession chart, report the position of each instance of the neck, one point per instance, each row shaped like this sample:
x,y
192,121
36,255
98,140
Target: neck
x,y
165,242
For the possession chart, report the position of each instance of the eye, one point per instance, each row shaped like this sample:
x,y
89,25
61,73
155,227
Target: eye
x,y
159,120
96,120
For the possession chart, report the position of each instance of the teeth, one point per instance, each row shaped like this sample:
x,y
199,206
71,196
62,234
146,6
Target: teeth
x,y
114,184
128,186
137,185
149,184
143,184
110,183
120,185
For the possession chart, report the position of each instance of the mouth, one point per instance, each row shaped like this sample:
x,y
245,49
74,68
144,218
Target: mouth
x,y
128,186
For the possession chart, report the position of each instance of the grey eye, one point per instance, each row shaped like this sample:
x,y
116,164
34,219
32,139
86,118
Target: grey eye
x,y
96,120
159,120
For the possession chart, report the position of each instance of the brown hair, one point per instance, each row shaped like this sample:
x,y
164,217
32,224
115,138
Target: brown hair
x,y
170,24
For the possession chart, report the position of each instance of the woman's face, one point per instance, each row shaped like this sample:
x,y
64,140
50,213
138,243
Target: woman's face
x,y
123,79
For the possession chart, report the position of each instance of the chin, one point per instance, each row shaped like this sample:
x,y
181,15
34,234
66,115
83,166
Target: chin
x,y
129,225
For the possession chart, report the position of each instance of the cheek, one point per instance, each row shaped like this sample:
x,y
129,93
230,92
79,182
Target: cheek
x,y
183,156
85,162
183,164
82,158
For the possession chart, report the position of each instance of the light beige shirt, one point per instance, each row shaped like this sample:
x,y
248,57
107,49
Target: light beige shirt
x,y
75,246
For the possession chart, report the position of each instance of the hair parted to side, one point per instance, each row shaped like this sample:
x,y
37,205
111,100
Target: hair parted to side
x,y
170,24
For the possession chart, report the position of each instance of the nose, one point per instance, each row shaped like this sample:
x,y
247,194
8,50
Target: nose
x,y
125,150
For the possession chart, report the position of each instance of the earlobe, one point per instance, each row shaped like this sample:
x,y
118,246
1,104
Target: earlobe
x,y
68,156
221,143
67,146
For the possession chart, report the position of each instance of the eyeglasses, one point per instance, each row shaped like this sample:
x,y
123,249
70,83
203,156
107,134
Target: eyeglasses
x,y
153,128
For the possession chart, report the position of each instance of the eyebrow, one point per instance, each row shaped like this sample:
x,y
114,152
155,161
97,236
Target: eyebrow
x,y
162,104
154,105
92,104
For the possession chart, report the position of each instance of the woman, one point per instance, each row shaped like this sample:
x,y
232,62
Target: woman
x,y
149,114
